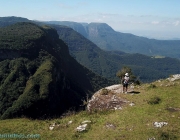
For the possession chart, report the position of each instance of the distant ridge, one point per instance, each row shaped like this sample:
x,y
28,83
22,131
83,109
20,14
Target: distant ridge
x,y
108,39
5,21
107,63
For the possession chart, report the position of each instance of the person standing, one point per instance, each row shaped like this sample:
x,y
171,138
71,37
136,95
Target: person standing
x,y
125,82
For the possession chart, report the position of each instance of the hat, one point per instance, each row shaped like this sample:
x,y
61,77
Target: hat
x,y
126,74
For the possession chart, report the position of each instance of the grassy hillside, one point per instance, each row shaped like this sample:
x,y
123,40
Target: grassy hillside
x,y
156,102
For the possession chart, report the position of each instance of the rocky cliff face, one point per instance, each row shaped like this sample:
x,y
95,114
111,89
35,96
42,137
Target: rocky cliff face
x,y
94,29
81,28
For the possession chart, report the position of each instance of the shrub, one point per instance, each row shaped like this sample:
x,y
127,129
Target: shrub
x,y
154,100
137,82
167,136
104,91
152,86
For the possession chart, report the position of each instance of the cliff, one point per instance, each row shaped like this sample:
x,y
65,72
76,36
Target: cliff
x,y
39,78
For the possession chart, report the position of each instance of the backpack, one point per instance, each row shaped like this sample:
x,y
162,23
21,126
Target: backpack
x,y
125,80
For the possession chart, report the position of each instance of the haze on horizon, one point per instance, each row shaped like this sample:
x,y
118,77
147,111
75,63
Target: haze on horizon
x,y
158,19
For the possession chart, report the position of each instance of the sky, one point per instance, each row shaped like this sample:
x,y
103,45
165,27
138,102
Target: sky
x,y
158,19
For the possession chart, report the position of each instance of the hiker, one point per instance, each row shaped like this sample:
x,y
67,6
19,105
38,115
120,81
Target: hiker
x,y
125,81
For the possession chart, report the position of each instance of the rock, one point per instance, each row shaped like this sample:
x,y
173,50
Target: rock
x,y
70,122
131,104
160,124
151,138
171,109
115,88
86,122
117,108
105,102
51,126
132,87
174,77
81,128
111,126
109,101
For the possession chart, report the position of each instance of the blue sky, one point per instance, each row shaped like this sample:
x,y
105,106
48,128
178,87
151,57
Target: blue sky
x,y
151,18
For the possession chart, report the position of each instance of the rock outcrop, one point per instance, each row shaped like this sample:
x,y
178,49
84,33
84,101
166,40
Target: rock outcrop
x,y
108,99
174,77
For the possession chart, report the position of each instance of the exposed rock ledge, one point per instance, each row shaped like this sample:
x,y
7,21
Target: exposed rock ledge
x,y
107,99
174,77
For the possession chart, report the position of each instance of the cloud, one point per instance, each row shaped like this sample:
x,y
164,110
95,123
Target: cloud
x,y
176,23
155,22
72,5
65,6
83,3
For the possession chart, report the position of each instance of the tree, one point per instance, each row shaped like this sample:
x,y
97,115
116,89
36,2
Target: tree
x,y
128,70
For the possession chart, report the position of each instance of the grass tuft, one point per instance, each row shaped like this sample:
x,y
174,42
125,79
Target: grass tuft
x,y
154,100
104,91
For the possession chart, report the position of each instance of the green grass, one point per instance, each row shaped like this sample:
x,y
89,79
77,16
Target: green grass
x,y
130,123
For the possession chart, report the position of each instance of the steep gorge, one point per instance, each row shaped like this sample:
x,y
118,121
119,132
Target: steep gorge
x,y
38,77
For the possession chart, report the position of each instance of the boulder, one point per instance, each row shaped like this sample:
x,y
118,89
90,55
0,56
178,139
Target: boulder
x,y
107,99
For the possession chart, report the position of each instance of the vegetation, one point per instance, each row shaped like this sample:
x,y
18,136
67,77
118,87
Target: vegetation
x,y
6,21
104,91
108,39
124,70
106,64
23,84
24,36
146,68
45,84
36,74
154,100
131,123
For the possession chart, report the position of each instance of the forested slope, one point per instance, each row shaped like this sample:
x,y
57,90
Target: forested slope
x,y
38,76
